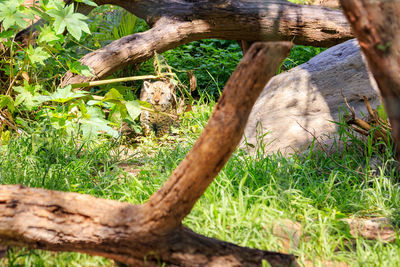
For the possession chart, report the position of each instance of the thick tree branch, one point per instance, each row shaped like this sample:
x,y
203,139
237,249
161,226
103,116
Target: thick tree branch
x,y
178,22
61,221
191,178
377,27
137,48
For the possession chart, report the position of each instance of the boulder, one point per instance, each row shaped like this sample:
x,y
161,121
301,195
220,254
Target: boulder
x,y
308,96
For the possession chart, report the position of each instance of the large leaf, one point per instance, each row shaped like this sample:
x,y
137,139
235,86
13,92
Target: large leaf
x,y
37,55
78,68
62,95
87,2
133,108
7,101
113,96
11,13
27,95
66,18
94,123
47,35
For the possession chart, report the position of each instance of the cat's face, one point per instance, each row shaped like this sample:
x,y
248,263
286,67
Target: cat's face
x,y
159,94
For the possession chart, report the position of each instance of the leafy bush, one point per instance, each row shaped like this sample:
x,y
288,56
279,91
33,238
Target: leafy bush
x,y
29,88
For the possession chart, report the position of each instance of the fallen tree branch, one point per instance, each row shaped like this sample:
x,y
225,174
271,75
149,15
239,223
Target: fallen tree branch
x,y
177,22
149,234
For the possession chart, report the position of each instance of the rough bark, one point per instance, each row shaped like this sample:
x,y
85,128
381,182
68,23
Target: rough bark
x,y
376,25
178,22
327,3
144,235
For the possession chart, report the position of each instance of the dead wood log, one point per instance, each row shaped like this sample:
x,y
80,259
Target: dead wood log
x,y
177,22
327,3
145,235
376,25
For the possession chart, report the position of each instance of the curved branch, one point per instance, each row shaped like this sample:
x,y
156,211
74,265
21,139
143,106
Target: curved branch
x,y
220,137
137,48
178,22
131,233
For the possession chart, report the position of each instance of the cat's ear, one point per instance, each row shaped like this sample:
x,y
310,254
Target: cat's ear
x,y
172,84
146,85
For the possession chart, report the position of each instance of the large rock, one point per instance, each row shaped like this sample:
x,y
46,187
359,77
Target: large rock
x,y
309,97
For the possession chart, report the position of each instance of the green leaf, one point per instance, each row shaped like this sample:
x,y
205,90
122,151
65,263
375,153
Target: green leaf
x,y
144,104
37,55
5,137
62,95
47,35
87,2
66,18
27,95
95,123
113,96
78,68
93,102
24,96
133,108
7,101
7,34
52,4
12,13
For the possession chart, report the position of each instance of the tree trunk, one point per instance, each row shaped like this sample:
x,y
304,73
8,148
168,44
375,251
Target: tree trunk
x,y
153,231
376,25
177,22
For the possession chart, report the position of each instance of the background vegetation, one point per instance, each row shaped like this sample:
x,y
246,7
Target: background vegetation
x,y
52,150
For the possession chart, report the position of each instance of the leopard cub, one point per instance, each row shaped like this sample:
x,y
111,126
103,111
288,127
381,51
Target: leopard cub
x,y
161,96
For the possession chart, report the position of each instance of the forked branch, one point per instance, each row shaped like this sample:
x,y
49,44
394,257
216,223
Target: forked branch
x,y
144,235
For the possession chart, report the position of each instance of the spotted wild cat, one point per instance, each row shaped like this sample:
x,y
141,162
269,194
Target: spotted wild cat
x,y
161,96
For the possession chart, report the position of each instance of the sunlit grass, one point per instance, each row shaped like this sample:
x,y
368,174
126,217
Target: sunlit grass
x,y
250,195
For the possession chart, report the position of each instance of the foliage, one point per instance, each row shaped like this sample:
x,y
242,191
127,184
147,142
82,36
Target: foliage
x,y
357,178
25,87
110,23
300,54
37,69
46,157
212,60
242,205
302,2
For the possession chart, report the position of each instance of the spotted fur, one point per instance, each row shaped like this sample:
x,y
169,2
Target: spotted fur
x,y
161,96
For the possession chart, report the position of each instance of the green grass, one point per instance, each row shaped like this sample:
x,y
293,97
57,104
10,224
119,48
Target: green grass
x,y
244,202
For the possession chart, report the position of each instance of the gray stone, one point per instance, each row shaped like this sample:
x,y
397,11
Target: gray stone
x,y
309,97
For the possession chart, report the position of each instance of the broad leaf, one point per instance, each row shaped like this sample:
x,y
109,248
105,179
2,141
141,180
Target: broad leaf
x,y
144,104
11,13
95,123
78,68
62,95
7,101
47,35
113,96
133,108
87,2
66,18
37,55
7,34
27,95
